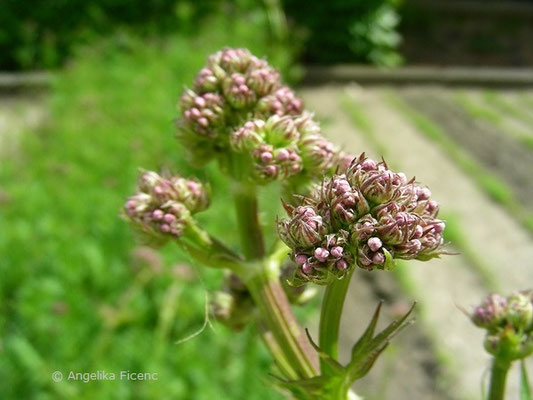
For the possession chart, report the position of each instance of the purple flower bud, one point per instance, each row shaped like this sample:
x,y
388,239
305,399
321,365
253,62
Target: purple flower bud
x,y
509,324
342,265
283,155
281,102
202,114
300,259
169,218
307,269
206,81
164,205
157,215
337,251
378,258
321,254
344,202
266,157
237,92
376,182
272,145
375,244
302,229
491,312
264,81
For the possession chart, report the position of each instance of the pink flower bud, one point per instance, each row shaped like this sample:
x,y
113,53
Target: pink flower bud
x,y
306,268
321,254
342,265
283,155
266,157
169,218
157,215
300,259
378,258
337,251
374,243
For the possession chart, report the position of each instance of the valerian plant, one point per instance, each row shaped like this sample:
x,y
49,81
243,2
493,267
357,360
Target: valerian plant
x,y
343,212
509,325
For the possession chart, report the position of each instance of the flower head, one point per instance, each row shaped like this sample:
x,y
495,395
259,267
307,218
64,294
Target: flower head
x,y
271,146
509,324
202,114
234,87
282,101
163,206
369,216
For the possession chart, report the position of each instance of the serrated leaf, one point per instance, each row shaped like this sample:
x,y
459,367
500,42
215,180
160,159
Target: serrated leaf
x,y
525,389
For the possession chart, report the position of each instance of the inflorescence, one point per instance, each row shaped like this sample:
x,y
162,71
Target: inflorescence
x,y
367,217
239,105
508,322
163,207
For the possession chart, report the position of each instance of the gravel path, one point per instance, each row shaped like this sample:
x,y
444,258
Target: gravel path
x,y
439,285
17,114
499,153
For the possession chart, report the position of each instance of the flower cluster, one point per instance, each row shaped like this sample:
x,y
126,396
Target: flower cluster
x,y
163,206
238,104
509,323
367,217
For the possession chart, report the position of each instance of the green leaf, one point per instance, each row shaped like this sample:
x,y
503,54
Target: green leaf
x,y
336,369
363,341
390,263
525,390
368,348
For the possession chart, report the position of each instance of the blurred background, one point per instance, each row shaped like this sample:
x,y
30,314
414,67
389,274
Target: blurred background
x,y
88,91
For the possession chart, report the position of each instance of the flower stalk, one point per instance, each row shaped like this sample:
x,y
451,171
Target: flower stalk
x,y
498,376
276,313
247,210
330,318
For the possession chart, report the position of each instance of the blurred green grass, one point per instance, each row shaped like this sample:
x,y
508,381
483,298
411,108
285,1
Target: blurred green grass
x,y
72,293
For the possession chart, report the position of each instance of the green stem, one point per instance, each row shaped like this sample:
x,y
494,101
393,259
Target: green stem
x,y
330,317
498,375
208,250
283,364
285,339
292,345
247,209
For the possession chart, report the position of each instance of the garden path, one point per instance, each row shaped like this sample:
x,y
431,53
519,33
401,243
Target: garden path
x,y
488,237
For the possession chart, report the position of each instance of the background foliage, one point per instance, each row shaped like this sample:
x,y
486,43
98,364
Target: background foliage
x,y
43,34
76,293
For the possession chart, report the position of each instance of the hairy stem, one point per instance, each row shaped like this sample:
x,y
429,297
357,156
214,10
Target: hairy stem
x,y
330,317
498,375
